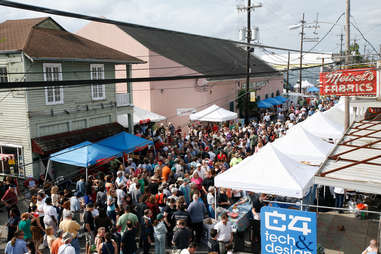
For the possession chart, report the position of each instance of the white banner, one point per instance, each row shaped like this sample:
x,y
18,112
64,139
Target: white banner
x,y
185,111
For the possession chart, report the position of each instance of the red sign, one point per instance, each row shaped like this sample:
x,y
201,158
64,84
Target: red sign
x,y
349,82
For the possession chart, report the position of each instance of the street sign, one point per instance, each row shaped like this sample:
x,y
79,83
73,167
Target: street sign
x,y
286,231
349,82
253,97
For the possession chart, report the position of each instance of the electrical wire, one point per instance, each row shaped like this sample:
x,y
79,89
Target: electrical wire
x,y
362,35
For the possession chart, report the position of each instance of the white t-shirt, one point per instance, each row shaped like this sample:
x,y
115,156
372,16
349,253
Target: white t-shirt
x,y
210,198
50,212
121,181
120,194
40,207
224,232
66,249
185,251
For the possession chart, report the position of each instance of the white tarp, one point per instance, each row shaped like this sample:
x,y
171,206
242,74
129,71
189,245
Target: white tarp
x,y
319,125
140,115
303,146
269,171
213,114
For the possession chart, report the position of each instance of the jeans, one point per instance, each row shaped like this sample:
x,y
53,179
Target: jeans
x,y
112,215
160,244
198,229
339,201
75,244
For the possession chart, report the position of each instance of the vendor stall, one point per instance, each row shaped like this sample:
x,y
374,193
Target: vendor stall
x,y
213,114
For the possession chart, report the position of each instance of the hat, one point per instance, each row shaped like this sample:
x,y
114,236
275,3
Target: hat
x,y
67,236
159,216
173,190
155,178
12,185
198,165
186,180
180,179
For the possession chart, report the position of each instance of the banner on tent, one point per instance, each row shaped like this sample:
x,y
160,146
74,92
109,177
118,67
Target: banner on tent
x,y
349,82
287,231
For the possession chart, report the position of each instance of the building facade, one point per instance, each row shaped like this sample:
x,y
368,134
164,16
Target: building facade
x,y
38,121
169,53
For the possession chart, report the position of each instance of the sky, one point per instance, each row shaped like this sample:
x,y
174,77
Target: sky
x,y
220,18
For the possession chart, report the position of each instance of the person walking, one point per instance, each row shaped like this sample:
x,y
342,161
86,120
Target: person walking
x,y
71,226
182,237
372,248
109,246
17,245
224,233
128,244
66,247
160,232
196,211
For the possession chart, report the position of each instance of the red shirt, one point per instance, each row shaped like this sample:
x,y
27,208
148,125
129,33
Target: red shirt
x,y
10,197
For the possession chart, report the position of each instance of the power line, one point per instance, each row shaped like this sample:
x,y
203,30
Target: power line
x,y
362,35
116,22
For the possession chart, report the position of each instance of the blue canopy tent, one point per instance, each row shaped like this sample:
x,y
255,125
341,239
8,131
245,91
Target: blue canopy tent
x,y
313,89
124,142
273,101
281,98
264,104
84,154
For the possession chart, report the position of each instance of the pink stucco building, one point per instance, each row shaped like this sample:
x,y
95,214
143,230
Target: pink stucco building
x,y
169,53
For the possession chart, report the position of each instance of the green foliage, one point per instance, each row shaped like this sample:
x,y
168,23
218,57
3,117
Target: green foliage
x,y
241,104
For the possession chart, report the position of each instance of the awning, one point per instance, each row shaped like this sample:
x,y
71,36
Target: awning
x,y
141,116
273,101
263,104
281,98
54,143
213,113
125,142
84,154
355,162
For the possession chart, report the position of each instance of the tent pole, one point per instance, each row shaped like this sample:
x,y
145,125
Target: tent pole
x,y
46,170
215,203
317,199
87,174
301,205
124,165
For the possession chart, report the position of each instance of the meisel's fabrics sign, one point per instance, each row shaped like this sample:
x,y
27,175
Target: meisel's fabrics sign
x,y
349,82
286,231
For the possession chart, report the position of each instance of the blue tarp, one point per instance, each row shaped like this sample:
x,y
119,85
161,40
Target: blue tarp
x,y
263,104
281,98
84,154
273,101
313,89
124,142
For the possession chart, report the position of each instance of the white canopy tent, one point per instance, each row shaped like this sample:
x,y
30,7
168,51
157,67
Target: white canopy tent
x,y
319,125
303,146
269,171
213,114
140,115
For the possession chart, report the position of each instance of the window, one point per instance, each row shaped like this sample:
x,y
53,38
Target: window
x,y
277,93
53,94
266,96
272,95
97,91
3,75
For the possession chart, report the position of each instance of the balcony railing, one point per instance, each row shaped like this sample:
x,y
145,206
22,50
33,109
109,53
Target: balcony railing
x,y
123,99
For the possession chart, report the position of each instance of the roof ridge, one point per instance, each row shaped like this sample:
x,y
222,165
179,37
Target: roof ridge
x,y
42,19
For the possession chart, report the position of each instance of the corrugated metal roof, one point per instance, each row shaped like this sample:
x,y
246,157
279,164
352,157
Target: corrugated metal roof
x,y
355,163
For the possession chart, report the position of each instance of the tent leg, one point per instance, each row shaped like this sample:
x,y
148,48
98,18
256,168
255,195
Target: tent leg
x,y
47,170
317,199
124,165
87,173
301,205
215,203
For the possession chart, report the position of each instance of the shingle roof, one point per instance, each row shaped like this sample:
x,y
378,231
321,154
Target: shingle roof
x,y
40,42
203,54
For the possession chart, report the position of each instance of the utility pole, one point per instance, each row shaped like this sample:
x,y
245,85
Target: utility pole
x,y
248,69
301,55
249,49
347,56
288,69
341,43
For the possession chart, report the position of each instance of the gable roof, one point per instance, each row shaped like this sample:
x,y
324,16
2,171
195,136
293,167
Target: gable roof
x,y
206,55
44,39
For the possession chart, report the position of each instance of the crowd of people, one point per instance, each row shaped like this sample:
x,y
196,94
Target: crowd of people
x,y
159,197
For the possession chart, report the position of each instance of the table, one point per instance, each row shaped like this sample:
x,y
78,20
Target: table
x,y
242,222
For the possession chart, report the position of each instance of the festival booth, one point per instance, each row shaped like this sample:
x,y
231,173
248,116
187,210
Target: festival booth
x,y
313,89
125,142
321,126
83,155
141,116
263,104
301,145
213,113
269,171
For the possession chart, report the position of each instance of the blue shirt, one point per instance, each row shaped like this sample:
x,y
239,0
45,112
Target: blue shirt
x,y
80,188
19,248
196,211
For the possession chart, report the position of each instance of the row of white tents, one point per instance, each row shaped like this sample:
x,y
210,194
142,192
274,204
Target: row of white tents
x,y
287,166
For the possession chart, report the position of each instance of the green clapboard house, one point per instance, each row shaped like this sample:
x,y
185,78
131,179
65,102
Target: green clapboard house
x,y
36,122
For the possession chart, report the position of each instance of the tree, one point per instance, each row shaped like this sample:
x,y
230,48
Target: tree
x,y
241,105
